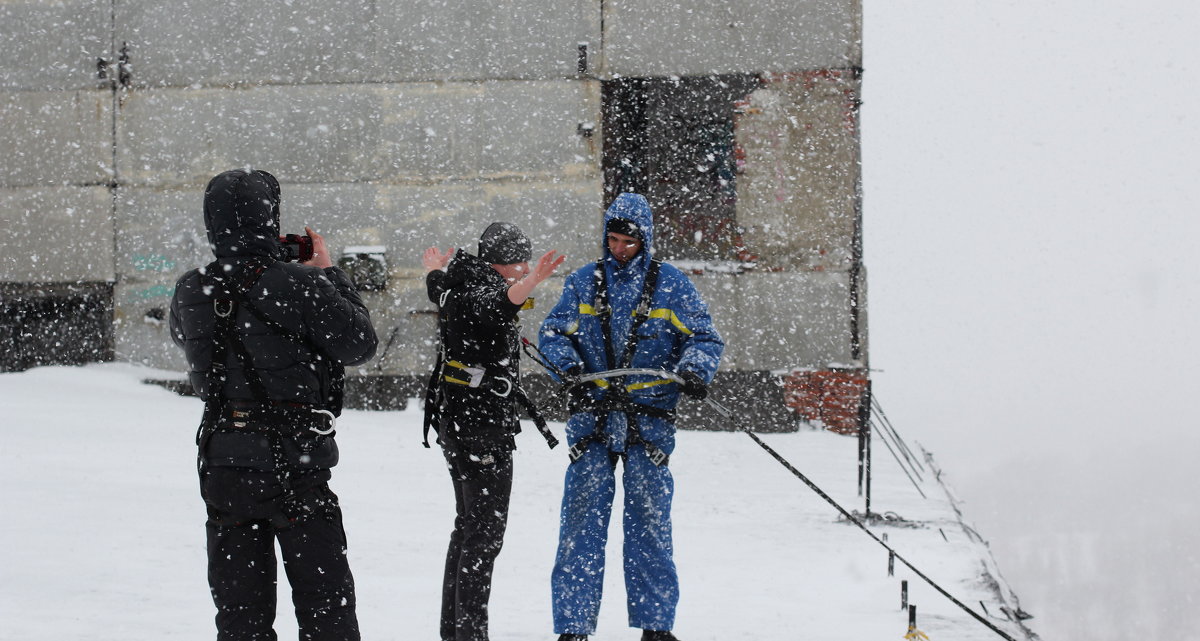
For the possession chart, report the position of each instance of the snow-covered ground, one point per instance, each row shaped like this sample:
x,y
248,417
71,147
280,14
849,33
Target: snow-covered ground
x,y
104,538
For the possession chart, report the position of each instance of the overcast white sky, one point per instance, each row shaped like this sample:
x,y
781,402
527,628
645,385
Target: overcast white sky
x,y
1030,213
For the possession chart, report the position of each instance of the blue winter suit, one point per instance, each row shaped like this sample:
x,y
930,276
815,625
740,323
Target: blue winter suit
x,y
677,336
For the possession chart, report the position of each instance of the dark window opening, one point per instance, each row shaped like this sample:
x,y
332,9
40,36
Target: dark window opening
x,y
672,140
55,324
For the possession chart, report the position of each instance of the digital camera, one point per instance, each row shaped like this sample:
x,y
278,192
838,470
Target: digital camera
x,y
296,248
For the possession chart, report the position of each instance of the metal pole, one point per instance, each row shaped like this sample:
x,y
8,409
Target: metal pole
x,y
864,427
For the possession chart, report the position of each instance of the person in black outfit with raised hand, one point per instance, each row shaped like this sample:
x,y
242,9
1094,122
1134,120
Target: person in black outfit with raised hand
x,y
471,405
266,343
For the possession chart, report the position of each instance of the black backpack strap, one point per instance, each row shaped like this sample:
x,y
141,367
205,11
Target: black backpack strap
x,y
239,293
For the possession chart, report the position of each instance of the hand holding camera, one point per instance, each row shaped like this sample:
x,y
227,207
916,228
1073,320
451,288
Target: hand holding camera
x,y
309,249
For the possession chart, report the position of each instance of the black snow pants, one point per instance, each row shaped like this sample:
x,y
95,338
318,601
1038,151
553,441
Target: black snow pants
x,y
482,478
241,556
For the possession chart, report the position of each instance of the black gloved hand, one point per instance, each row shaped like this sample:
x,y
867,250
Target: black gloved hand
x,y
693,385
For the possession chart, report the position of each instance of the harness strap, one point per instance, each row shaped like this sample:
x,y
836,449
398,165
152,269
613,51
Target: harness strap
x,y
433,401
501,387
435,395
616,396
217,416
538,420
475,377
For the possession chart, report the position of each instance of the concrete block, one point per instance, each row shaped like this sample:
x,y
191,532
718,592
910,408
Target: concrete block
x,y
54,44
222,42
307,134
497,129
433,39
780,320
141,332
340,41
163,229
56,234
55,137
667,37
357,133
406,219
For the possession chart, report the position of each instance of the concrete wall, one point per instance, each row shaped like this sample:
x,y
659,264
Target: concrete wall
x,y
799,136
407,124
52,45
225,42
673,38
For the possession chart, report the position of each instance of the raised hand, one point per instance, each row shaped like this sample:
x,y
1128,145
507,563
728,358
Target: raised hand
x,y
435,259
546,265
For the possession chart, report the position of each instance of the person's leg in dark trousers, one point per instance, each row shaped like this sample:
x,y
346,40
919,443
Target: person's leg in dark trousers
x,y
453,555
482,486
314,558
241,575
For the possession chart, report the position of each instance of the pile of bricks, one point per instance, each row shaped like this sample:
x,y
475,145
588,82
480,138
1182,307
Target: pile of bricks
x,y
831,397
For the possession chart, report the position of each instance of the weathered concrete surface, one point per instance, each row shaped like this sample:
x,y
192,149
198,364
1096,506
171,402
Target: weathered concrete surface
x,y
53,44
56,234
335,133
798,187
672,38
353,41
55,137
779,320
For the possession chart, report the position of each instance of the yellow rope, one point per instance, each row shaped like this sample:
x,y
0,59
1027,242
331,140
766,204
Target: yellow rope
x,y
914,634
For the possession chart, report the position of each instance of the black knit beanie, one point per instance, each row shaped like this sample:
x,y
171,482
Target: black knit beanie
x,y
626,227
504,244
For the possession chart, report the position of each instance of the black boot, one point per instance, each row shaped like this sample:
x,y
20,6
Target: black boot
x,y
658,635
573,637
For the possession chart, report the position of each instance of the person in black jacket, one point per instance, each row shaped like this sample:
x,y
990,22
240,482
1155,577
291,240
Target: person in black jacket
x,y
475,386
266,343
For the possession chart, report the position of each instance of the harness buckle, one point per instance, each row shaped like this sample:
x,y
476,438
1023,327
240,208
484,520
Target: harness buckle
x,y
575,452
332,422
476,375
657,456
228,307
508,386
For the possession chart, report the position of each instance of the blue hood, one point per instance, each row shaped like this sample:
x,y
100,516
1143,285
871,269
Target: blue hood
x,y
635,208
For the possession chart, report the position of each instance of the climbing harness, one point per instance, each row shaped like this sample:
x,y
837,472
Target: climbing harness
x,y
474,377
615,397
275,421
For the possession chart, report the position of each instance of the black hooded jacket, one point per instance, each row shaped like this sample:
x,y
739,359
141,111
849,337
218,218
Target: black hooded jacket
x,y
241,213
479,329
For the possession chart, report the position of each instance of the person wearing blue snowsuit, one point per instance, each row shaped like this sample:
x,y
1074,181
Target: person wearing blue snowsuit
x,y
629,419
